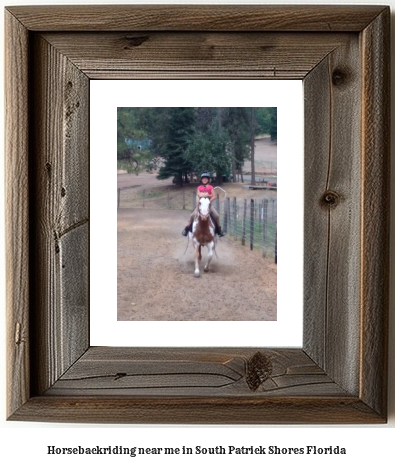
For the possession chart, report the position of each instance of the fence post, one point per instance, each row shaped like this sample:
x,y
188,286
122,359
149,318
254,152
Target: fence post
x,y
193,200
272,212
119,196
230,227
183,198
243,226
229,215
264,225
235,218
216,203
225,221
252,212
260,205
168,198
226,215
143,197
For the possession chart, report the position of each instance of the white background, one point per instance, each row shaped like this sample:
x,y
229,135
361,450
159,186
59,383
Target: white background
x,y
24,444
106,95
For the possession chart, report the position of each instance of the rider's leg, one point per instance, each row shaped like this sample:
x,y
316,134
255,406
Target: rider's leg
x,y
217,222
188,227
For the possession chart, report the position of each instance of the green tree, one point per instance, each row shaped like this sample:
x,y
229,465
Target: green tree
x,y
130,157
155,123
221,141
176,134
273,124
266,121
208,151
237,125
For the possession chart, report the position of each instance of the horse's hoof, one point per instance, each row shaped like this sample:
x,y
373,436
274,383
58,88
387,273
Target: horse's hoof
x,y
197,273
206,269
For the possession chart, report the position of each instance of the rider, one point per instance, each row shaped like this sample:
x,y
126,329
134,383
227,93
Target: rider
x,y
202,191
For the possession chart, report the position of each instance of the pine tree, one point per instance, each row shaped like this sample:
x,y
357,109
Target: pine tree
x,y
238,128
208,150
266,120
130,157
180,128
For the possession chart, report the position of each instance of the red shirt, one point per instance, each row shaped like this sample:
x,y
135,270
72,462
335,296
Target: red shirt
x,y
205,189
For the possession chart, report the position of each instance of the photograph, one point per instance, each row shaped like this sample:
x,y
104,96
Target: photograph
x,y
255,361
197,213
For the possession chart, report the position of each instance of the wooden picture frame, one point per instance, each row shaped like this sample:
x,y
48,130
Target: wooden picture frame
x,y
340,373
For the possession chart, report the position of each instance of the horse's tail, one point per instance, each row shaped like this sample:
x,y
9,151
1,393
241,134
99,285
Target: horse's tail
x,y
215,251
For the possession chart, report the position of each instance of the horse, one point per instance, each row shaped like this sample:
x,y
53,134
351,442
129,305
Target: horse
x,y
203,234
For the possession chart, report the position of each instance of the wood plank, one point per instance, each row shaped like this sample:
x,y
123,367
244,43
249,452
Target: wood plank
x,y
332,230
198,410
316,220
265,55
196,17
17,213
61,209
195,75
74,293
191,372
376,207
344,256
75,163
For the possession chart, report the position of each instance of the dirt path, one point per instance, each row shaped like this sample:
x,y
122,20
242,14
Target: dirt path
x,y
156,281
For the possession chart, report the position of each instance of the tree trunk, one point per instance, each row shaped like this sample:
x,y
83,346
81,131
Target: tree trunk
x,y
219,177
233,171
179,180
234,163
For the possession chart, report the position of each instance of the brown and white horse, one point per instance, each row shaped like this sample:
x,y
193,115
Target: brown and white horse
x,y
203,234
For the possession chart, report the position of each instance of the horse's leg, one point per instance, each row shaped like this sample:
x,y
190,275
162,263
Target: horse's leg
x,y
210,255
197,251
200,252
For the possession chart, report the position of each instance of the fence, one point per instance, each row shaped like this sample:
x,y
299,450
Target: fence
x,y
156,199
252,222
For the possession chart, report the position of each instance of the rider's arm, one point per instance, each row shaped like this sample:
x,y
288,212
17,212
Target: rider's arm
x,y
213,196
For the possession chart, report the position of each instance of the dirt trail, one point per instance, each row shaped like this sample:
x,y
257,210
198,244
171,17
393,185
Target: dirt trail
x,y
156,281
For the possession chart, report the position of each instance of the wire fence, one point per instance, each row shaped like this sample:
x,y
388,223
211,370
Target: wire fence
x,y
252,222
156,198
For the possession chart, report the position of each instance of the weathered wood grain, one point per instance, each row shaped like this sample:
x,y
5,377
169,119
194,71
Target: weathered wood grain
x,y
375,212
332,214
196,18
196,55
17,212
339,376
316,219
74,293
198,410
60,203
191,372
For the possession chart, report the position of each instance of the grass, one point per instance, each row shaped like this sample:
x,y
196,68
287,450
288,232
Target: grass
x,y
271,229
125,165
151,195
